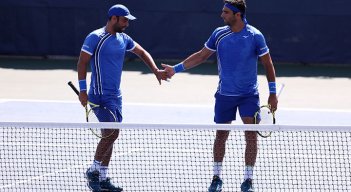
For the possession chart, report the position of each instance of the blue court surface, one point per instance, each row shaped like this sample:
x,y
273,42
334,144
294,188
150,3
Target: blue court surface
x,y
169,160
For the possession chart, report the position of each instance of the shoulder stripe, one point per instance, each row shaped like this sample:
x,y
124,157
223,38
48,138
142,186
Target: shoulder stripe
x,y
86,51
222,36
264,53
214,50
135,44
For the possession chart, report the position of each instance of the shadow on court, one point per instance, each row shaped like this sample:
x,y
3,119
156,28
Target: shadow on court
x,y
208,68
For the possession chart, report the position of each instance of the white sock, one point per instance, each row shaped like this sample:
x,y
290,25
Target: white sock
x,y
95,166
248,173
217,168
103,173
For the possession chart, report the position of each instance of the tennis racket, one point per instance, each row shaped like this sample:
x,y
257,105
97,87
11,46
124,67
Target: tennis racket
x,y
267,116
97,113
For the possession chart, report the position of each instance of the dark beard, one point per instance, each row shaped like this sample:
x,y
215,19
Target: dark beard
x,y
230,24
117,29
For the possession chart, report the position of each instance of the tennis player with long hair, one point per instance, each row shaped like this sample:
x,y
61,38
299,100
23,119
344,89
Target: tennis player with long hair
x,y
238,46
104,49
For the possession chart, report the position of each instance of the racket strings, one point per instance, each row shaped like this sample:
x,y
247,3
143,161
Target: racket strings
x,y
264,116
98,113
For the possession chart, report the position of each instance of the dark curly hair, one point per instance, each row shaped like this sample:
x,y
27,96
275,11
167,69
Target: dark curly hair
x,y
240,4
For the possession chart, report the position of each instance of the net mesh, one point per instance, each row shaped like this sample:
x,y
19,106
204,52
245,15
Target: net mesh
x,y
55,156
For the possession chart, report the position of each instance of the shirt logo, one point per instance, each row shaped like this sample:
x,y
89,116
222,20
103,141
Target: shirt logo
x,y
245,36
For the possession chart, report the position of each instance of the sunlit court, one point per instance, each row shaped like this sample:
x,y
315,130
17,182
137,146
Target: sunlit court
x,y
165,96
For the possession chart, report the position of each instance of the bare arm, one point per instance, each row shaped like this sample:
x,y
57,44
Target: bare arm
x,y
149,61
197,58
266,60
192,61
82,65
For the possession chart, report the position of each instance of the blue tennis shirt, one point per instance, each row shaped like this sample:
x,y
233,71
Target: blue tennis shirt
x,y
107,60
237,55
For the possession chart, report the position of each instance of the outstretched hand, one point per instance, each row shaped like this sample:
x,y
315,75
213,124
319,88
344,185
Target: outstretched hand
x,y
169,70
161,75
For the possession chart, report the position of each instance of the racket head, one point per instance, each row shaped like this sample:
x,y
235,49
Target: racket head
x,y
97,113
264,116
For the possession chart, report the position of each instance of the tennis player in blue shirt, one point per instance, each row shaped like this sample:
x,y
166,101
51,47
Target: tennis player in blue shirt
x,y
104,49
238,46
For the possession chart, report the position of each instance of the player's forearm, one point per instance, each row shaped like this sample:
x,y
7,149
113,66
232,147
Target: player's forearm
x,y
269,67
194,60
82,71
270,73
148,60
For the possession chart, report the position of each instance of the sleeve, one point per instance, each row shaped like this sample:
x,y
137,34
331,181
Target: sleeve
x,y
211,42
90,43
130,44
261,46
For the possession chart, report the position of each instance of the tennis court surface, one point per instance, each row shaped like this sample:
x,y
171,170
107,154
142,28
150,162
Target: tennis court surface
x,y
169,148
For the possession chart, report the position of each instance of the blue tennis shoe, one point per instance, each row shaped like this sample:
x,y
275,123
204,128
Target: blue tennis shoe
x,y
93,180
106,185
216,185
247,186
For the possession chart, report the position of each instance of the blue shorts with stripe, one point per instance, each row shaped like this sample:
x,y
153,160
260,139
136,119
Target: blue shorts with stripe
x,y
111,102
226,107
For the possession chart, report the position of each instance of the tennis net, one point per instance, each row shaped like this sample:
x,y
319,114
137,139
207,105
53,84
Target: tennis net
x,y
173,157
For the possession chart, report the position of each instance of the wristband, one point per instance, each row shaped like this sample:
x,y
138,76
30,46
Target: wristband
x,y
272,87
83,85
179,67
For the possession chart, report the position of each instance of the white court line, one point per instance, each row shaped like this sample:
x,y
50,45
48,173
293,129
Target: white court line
x,y
131,104
130,151
180,126
37,101
171,105
61,170
315,110
171,150
42,176
42,145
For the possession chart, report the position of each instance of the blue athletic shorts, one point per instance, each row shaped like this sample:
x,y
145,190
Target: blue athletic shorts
x,y
226,107
111,102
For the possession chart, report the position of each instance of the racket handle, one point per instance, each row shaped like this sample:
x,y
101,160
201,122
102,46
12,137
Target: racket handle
x,y
73,87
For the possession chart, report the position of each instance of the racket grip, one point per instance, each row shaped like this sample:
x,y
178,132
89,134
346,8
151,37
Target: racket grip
x,y
73,87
